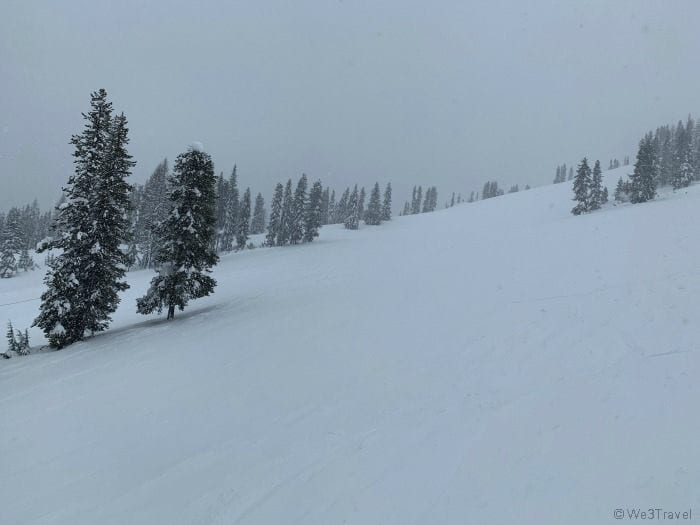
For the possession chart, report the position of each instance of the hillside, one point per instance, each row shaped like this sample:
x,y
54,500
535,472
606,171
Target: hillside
x,y
496,362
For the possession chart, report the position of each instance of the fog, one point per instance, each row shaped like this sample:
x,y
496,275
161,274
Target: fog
x,y
450,94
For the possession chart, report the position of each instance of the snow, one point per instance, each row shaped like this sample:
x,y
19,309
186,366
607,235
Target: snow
x,y
197,146
498,362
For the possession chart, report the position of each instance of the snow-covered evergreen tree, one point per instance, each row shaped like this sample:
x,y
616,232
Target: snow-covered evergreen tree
x,y
361,203
186,254
582,188
595,199
296,222
332,209
85,278
386,204
683,168
152,210
325,205
25,261
286,218
313,213
274,225
10,243
342,208
10,337
257,224
243,222
352,220
374,213
231,205
605,195
642,186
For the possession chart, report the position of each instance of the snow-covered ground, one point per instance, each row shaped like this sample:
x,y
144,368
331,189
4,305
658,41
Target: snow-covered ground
x,y
495,363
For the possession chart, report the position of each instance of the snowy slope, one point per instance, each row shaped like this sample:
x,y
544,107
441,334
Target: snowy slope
x,y
498,362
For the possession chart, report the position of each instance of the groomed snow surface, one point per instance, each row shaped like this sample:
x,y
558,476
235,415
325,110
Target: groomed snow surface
x,y
495,363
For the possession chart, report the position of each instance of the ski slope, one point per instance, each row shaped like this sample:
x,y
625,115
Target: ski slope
x,y
495,363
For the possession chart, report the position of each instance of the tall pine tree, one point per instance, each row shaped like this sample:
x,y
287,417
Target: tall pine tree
x,y
582,188
313,213
642,185
257,224
86,276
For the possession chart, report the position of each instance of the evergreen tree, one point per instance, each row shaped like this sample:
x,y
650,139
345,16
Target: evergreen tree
x,y
374,208
153,208
352,221
10,244
243,222
296,230
186,254
231,205
273,227
683,159
325,205
10,335
621,191
343,207
257,225
386,206
582,186
361,203
286,217
313,215
332,209
418,201
596,189
85,278
406,209
605,194
642,186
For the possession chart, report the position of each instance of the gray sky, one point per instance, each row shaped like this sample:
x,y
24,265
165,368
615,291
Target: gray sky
x,y
445,93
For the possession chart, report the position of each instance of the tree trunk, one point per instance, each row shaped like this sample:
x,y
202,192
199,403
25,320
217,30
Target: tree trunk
x,y
171,311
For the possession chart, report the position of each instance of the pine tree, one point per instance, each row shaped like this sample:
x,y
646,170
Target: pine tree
x,y
152,210
361,203
332,209
605,194
342,207
406,209
273,227
325,205
243,222
186,254
596,189
286,217
10,243
231,204
257,224
418,200
10,335
683,168
352,221
313,213
642,186
621,191
84,280
296,230
386,205
582,185
374,208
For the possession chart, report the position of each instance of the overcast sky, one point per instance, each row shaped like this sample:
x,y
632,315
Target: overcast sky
x,y
445,93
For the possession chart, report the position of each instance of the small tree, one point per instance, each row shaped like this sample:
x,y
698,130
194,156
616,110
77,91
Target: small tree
x,y
596,191
243,223
273,227
642,185
352,221
386,206
374,208
257,225
186,254
313,213
582,184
